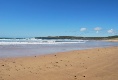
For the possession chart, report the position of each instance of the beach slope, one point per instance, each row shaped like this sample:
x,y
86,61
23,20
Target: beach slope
x,y
91,64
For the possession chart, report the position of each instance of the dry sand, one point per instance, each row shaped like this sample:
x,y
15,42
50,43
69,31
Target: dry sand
x,y
92,64
112,40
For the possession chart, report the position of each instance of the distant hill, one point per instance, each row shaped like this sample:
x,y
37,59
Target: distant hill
x,y
70,37
78,37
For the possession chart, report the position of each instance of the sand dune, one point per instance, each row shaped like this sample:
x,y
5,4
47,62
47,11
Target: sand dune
x,y
92,64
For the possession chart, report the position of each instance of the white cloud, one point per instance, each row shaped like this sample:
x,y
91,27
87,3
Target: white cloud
x,y
111,31
83,29
97,29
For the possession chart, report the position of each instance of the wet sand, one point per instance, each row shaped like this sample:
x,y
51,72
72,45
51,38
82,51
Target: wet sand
x,y
92,64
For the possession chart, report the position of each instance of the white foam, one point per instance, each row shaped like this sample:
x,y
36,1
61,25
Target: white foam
x,y
37,41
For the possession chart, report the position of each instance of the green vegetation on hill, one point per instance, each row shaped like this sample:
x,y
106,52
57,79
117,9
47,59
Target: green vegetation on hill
x,y
71,37
77,37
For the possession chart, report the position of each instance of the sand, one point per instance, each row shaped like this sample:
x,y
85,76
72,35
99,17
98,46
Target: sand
x,y
92,64
112,40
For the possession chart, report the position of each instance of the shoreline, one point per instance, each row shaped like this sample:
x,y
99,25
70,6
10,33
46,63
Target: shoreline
x,y
54,53
111,40
89,64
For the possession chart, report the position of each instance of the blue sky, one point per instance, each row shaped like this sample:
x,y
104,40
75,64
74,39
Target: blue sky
x,y
31,18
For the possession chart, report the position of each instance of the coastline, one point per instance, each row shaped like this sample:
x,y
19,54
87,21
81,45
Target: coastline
x,y
90,64
111,40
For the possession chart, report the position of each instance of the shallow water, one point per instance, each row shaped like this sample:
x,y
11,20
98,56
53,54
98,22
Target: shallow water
x,y
18,50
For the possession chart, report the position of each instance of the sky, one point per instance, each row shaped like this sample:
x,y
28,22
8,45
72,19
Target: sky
x,y
34,18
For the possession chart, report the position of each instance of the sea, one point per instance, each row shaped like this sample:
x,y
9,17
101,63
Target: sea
x,y
32,47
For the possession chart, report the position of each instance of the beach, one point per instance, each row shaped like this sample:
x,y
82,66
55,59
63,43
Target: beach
x,y
112,40
90,64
